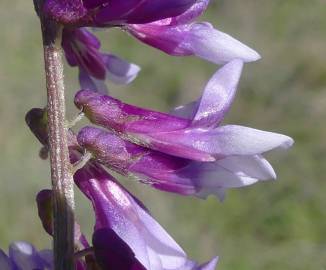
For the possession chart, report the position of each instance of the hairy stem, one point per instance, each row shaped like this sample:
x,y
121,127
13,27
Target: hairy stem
x,y
61,175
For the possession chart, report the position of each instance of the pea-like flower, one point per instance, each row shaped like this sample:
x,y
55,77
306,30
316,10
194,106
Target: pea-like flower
x,y
82,49
197,135
166,25
171,173
126,236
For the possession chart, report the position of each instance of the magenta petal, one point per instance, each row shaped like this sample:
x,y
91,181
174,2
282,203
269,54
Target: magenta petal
x,y
65,11
112,113
135,11
199,39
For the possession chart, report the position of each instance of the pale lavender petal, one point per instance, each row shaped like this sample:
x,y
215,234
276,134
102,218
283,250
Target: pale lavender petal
x,y
5,263
118,70
218,143
218,95
218,47
115,208
199,39
90,83
255,166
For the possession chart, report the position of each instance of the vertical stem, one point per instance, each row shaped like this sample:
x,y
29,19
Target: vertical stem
x,y
61,175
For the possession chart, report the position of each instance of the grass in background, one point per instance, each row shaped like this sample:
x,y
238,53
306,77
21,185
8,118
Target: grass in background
x,y
274,225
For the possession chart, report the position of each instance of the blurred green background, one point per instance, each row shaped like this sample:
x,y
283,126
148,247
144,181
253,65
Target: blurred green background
x,y
273,225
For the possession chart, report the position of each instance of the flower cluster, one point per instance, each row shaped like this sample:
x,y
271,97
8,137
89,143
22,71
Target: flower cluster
x,y
187,151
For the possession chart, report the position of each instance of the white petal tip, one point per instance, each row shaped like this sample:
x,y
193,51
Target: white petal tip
x,y
287,143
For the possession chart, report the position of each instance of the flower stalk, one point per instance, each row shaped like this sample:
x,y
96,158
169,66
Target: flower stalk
x,y
61,173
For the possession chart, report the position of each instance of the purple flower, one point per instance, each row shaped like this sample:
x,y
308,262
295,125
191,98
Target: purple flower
x,y
171,173
198,138
102,13
24,256
179,36
81,48
124,227
164,24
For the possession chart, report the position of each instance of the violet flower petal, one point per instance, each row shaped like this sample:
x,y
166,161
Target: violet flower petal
x,y
82,49
199,39
115,208
218,95
118,70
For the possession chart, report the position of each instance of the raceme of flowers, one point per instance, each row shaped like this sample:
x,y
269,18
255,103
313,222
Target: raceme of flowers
x,y
187,151
166,25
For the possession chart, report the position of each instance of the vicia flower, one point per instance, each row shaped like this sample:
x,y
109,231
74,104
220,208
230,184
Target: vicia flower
x,y
81,49
164,24
197,135
171,173
179,36
126,237
24,256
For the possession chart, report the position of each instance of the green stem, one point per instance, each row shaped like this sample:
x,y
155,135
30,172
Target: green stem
x,y
61,171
